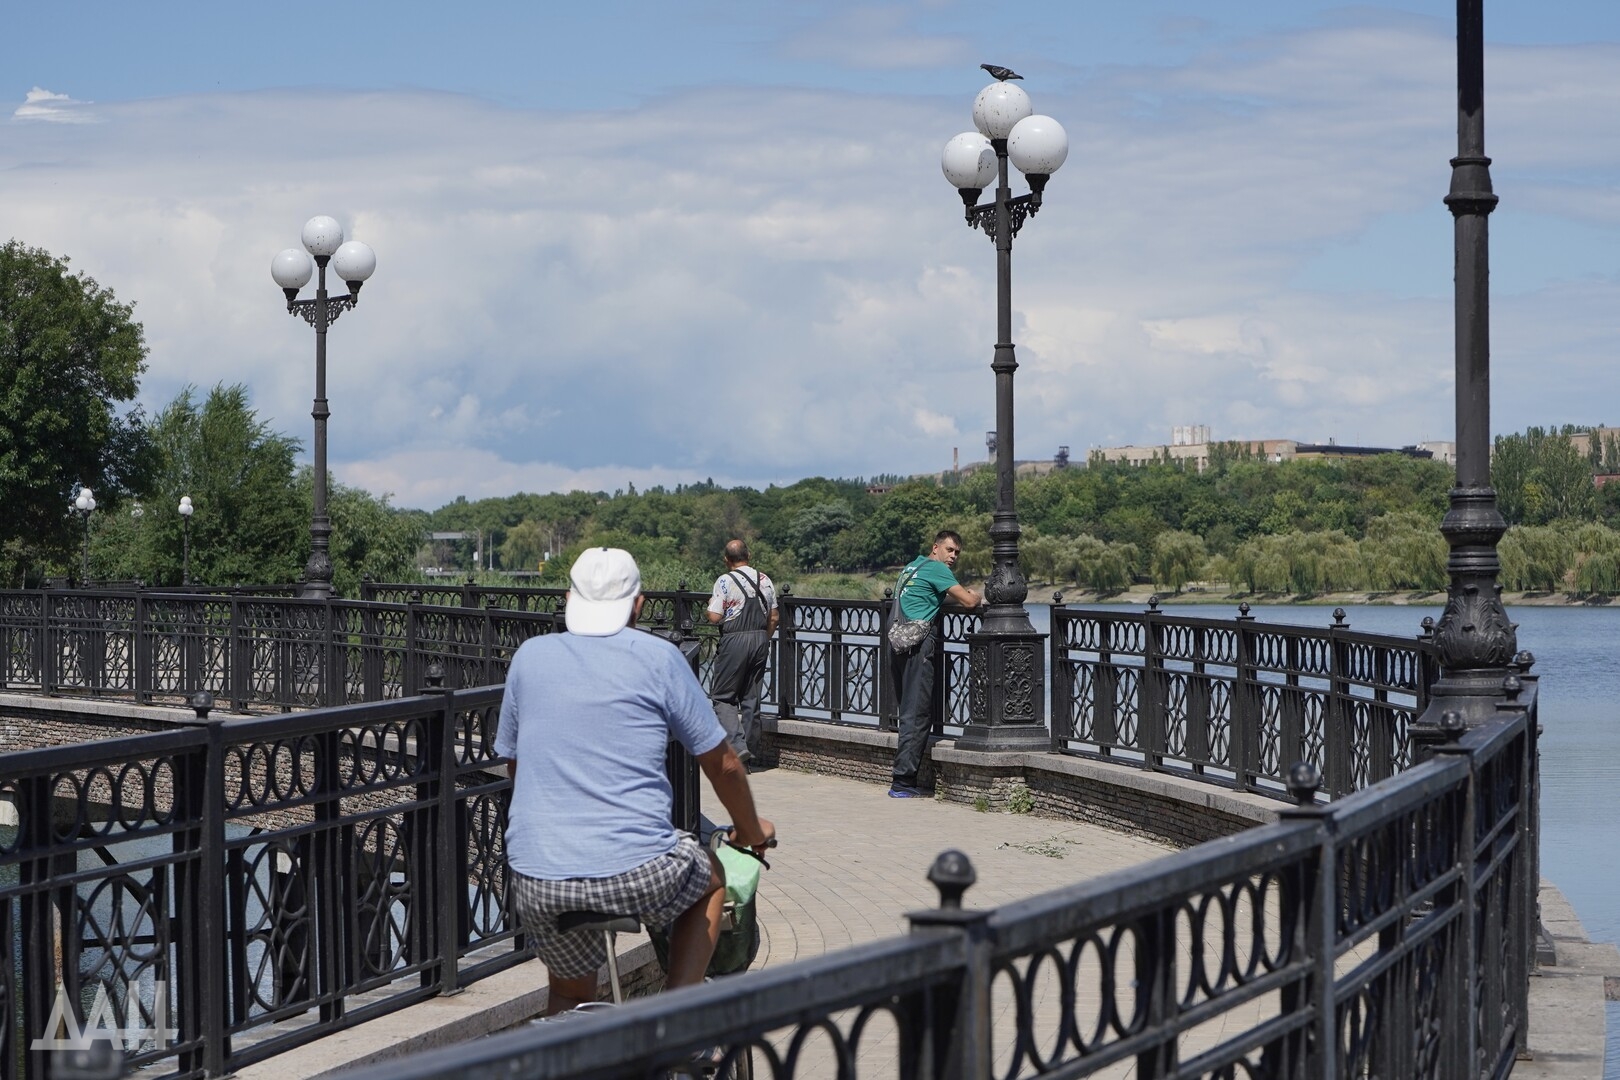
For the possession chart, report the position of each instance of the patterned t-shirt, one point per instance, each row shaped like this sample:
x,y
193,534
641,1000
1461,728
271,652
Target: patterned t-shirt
x,y
728,597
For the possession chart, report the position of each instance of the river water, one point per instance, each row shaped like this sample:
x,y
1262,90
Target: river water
x,y
1575,650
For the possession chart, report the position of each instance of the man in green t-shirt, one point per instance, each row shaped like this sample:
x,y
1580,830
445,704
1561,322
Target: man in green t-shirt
x,y
922,588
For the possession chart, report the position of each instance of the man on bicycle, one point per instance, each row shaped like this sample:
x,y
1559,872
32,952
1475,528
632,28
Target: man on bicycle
x,y
586,719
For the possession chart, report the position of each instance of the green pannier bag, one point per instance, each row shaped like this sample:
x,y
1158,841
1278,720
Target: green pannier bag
x,y
739,928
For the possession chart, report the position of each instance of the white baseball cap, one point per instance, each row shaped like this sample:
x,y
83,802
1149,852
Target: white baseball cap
x,y
602,588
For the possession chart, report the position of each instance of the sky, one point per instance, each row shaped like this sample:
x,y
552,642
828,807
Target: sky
x,y
663,242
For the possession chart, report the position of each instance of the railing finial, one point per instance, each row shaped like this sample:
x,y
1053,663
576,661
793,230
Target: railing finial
x,y
1338,618
435,674
202,702
1304,780
1153,602
1057,597
952,874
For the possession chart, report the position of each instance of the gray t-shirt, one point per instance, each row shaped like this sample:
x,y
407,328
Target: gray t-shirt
x,y
589,720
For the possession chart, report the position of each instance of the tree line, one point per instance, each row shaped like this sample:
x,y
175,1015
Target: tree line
x,y
71,356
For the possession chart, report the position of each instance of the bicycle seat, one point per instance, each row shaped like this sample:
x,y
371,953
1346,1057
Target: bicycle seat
x,y
598,920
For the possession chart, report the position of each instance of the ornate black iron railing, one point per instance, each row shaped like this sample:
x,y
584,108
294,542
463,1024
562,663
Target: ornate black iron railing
x,y
1236,701
289,876
1383,934
1231,701
245,887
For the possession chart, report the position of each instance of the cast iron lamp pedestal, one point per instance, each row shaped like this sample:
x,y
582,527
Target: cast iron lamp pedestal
x,y
353,262
1006,657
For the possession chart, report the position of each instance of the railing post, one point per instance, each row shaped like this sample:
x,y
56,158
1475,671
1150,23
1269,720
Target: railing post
x,y
45,642
1245,704
240,649
945,1030
787,661
1338,735
445,848
940,697
1105,689
205,788
488,676
1314,900
1062,714
330,678
137,648
1151,736
1459,989
410,667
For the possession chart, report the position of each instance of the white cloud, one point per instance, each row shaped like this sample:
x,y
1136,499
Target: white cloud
x,y
43,105
758,287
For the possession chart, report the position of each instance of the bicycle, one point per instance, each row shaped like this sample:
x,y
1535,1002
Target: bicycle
x,y
735,953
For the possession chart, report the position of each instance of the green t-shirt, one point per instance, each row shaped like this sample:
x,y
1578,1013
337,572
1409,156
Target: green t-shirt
x,y
924,591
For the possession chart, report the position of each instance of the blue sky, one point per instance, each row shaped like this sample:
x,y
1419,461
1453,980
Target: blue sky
x,y
655,242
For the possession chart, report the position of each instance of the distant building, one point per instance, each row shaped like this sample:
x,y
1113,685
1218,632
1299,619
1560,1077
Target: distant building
x,y
1441,450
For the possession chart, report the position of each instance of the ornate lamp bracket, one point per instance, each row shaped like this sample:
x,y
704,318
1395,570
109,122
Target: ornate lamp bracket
x,y
1018,209
335,306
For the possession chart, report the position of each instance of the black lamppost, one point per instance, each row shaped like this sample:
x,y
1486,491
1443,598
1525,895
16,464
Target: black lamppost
x,y
185,509
353,263
85,502
1474,638
1006,672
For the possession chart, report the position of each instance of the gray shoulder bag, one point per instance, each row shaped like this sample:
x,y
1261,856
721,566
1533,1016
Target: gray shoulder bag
x,y
906,634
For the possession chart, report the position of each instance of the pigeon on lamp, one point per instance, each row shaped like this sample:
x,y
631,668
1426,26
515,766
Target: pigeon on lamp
x,y
1000,72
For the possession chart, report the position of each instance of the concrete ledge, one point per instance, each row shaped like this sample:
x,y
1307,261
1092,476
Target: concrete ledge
x,y
1568,1001
17,704
500,1002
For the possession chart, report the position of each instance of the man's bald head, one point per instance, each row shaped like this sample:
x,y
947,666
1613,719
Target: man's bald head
x,y
736,552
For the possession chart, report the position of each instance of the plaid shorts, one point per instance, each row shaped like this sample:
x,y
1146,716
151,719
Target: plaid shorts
x,y
657,892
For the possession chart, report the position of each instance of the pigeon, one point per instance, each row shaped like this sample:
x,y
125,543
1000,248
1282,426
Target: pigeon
x,y
1000,72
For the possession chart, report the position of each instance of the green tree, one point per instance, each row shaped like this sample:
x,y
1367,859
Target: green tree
x,y
70,355
1177,558
815,529
251,520
525,546
1404,551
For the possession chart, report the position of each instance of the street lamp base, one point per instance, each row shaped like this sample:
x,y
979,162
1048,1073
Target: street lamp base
x,y
1006,693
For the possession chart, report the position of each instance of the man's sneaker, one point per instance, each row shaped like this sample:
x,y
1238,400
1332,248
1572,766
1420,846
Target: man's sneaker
x,y
904,791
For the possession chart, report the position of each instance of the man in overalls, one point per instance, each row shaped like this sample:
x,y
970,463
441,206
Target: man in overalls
x,y
744,604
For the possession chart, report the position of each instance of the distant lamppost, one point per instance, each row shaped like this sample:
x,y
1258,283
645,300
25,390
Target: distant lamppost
x,y
353,262
1006,674
85,503
185,509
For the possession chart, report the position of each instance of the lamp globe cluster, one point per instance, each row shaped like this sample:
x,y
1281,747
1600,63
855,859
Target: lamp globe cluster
x,y
353,262
1003,113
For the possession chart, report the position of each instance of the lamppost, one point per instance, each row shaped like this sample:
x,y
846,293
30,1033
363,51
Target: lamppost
x,y
1475,639
85,503
353,263
1006,672
185,509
